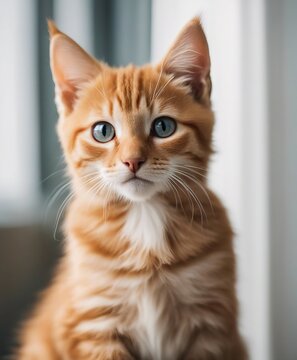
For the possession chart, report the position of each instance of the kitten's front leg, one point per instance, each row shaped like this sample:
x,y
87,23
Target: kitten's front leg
x,y
91,334
86,349
97,346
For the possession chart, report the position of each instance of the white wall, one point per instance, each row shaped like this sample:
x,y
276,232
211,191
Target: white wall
x,y
235,31
282,79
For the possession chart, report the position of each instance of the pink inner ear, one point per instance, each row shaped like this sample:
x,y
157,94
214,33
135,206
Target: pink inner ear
x,y
197,88
200,73
68,97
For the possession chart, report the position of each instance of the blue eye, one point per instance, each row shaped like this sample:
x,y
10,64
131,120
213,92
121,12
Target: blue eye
x,y
163,127
103,131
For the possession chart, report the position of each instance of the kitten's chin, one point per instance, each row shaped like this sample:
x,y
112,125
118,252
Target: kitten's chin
x,y
137,190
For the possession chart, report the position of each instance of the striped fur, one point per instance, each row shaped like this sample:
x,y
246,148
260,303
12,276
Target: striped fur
x,y
149,269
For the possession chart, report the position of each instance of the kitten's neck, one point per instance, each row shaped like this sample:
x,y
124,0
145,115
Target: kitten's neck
x,y
140,235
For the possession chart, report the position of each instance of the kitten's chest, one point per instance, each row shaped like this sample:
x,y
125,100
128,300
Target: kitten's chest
x,y
164,321
146,225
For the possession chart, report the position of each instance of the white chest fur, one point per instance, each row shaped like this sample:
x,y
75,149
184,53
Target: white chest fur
x,y
145,225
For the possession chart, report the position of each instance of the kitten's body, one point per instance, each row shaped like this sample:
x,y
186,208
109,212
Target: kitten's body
x,y
145,279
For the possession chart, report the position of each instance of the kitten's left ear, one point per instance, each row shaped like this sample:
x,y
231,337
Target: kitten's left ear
x,y
188,60
72,68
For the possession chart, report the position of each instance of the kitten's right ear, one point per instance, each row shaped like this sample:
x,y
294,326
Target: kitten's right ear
x,y
72,68
189,61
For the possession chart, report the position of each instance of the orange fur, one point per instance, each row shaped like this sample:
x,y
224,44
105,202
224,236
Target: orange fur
x,y
149,268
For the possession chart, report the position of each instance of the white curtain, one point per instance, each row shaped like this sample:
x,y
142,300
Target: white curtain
x,y
19,188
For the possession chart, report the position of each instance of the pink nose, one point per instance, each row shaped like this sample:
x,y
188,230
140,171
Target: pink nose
x,y
134,164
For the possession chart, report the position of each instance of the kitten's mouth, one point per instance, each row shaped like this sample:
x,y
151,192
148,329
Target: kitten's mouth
x,y
136,188
137,180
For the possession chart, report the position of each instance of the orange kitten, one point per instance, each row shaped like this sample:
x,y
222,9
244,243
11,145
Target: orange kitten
x,y
148,270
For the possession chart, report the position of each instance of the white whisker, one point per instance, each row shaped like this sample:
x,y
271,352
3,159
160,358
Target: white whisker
x,y
196,181
60,212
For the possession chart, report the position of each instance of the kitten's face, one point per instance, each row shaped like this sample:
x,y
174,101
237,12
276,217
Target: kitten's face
x,y
131,132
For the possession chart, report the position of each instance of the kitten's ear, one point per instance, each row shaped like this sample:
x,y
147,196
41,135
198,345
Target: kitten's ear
x,y
188,60
71,66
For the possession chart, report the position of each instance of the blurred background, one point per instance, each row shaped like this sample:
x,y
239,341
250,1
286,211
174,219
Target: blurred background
x,y
254,55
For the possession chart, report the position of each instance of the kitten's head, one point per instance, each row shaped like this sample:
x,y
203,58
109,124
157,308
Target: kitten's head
x,y
134,132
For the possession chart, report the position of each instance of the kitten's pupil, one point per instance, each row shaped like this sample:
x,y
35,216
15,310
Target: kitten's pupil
x,y
104,130
163,125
